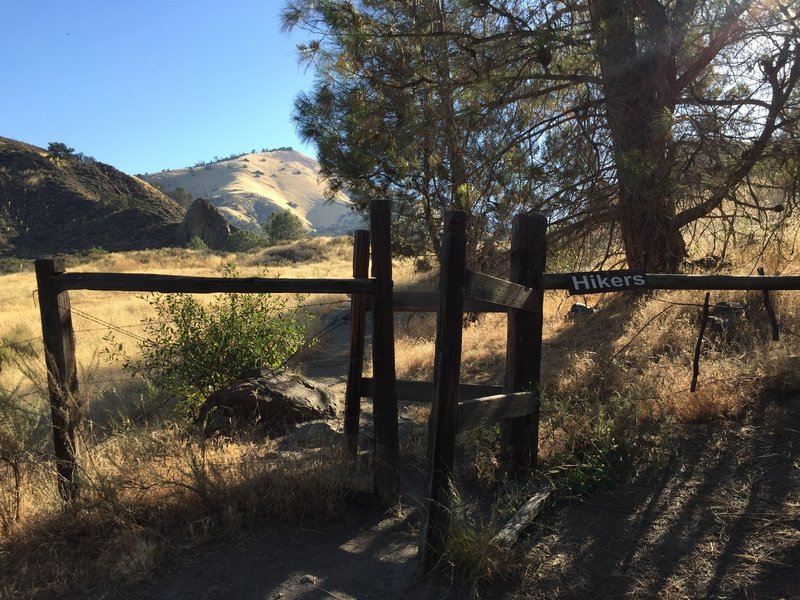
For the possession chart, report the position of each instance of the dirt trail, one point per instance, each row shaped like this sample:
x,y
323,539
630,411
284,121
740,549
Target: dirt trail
x,y
363,555
366,553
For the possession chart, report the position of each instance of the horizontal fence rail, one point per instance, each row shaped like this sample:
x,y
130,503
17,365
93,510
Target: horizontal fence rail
x,y
137,282
487,294
429,302
657,281
499,292
422,391
489,410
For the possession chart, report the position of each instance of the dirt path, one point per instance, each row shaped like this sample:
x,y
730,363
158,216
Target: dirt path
x,y
365,553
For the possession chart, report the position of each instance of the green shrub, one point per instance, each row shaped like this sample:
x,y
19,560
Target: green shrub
x,y
192,349
10,264
94,252
116,202
197,243
246,241
60,150
284,226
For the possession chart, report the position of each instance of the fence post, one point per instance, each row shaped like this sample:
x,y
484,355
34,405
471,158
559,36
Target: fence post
x,y
358,314
384,398
444,412
62,375
520,435
773,321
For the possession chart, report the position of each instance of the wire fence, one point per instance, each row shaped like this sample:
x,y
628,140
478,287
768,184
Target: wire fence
x,y
130,332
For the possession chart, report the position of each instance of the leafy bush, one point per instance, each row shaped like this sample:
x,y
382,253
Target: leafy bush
x,y
181,195
246,241
10,264
192,349
94,252
197,243
116,202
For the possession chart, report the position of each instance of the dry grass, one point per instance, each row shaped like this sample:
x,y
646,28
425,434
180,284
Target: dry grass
x,y
148,486
146,494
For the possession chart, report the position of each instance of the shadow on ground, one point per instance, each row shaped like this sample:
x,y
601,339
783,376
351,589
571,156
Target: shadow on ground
x,y
365,554
719,518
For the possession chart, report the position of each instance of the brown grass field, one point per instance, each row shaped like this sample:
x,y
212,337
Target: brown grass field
x,y
616,407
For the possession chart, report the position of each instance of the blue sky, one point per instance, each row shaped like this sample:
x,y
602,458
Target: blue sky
x,y
151,84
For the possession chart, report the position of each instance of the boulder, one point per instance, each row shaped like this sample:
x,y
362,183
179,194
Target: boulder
x,y
204,221
278,399
579,309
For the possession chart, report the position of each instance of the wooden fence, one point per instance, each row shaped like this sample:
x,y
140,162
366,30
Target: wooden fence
x,y
54,284
517,407
457,407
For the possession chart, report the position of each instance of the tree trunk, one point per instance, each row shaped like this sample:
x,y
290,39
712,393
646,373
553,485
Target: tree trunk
x,y
650,239
638,81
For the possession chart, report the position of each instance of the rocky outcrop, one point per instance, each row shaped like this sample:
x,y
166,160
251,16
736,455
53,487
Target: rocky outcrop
x,y
277,399
205,222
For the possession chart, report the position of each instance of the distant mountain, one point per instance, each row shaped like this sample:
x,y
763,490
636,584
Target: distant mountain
x,y
246,189
63,202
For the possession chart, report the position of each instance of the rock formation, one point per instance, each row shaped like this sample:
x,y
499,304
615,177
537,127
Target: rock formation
x,y
205,222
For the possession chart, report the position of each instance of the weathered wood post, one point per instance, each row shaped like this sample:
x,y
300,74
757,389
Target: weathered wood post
x,y
384,399
520,435
773,320
443,422
62,375
358,319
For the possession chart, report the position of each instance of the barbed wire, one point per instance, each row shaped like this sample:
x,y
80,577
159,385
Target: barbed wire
x,y
15,345
105,324
671,303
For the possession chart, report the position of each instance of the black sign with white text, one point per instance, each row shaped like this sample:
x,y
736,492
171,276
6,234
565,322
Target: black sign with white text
x,y
597,282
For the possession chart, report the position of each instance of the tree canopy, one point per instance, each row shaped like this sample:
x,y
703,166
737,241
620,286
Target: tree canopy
x,y
633,124
284,226
60,150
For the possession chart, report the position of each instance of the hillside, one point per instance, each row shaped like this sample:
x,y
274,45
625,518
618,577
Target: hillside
x,y
247,188
50,205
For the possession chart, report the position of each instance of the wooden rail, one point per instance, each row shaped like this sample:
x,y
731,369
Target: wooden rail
x,y
422,391
488,410
659,281
499,292
172,284
429,302
487,294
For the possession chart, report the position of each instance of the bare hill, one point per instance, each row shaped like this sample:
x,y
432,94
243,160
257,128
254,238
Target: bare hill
x,y
54,204
248,188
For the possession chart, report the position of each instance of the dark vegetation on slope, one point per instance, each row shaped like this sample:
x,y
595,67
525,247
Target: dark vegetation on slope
x,y
62,204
